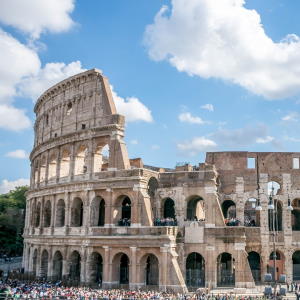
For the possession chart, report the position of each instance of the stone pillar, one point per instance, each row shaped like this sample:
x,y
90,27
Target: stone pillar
x,y
107,268
210,267
58,159
47,168
240,205
38,262
65,266
83,266
135,208
72,162
50,263
164,267
89,159
53,213
67,211
133,269
108,208
42,215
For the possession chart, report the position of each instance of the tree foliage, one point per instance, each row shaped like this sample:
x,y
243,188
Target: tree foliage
x,y
12,217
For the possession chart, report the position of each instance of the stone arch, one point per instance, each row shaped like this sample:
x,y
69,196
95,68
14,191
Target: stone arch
x,y
275,216
65,163
57,265
195,270
169,208
255,265
52,166
101,158
279,264
150,270
37,215
228,209
77,213
60,213
225,270
75,265
296,265
121,266
296,215
195,208
122,211
44,264
251,215
95,268
80,160
273,188
43,167
34,262
97,217
47,214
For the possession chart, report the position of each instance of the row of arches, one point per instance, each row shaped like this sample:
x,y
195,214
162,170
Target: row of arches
x,y
97,212
120,264
59,164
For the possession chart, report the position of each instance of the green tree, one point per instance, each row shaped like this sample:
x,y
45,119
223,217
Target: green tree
x,y
12,217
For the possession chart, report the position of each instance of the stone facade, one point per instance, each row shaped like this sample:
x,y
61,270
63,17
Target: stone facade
x,y
94,215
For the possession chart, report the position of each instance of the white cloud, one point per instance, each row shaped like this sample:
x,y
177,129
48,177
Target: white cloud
x,y
224,39
17,61
208,107
36,16
132,108
291,117
292,139
19,153
6,185
188,118
265,140
33,86
196,145
12,118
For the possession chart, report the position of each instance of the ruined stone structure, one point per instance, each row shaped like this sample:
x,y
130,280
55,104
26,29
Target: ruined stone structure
x,y
96,216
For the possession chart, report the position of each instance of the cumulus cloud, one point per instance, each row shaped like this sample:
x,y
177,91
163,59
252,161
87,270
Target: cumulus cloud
x,y
186,117
291,117
208,107
35,16
12,118
196,145
34,85
6,185
19,153
132,108
265,140
224,39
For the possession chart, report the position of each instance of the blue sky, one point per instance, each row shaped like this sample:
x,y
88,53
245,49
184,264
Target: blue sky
x,y
202,75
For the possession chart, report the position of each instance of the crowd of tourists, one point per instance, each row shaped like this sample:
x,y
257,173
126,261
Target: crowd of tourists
x,y
13,289
124,222
165,222
232,222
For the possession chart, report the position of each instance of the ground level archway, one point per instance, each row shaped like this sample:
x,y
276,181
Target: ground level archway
x,y
225,270
195,270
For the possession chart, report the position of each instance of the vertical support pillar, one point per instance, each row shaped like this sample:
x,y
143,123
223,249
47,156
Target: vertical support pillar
x,y
58,160
107,278
133,269
50,263
164,266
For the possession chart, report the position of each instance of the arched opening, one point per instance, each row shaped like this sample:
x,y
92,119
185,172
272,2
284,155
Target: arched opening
x,y
296,265
101,158
44,264
169,209
226,270
52,167
229,209
60,213
254,263
77,213
47,214
296,215
275,217
150,269
43,170
65,164
57,266
124,269
95,268
273,188
75,267
98,212
195,209
251,215
279,264
80,160
195,270
34,262
38,215
125,219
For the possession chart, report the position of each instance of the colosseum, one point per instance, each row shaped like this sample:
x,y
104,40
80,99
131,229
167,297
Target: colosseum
x,y
94,216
